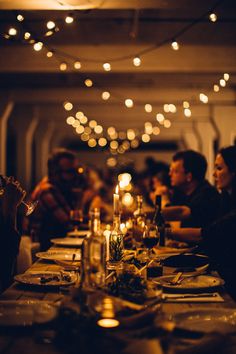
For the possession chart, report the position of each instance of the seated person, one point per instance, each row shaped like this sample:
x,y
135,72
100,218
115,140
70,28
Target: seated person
x,y
10,198
199,202
218,239
63,190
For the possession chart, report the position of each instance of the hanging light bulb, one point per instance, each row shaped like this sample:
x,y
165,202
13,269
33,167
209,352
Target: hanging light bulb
x,y
106,95
137,61
148,108
69,19
213,17
68,106
222,83
226,76
129,103
38,46
77,65
203,98
186,104
63,66
167,123
20,18
160,117
88,83
51,25
50,54
175,45
12,31
187,112
216,88
27,35
107,66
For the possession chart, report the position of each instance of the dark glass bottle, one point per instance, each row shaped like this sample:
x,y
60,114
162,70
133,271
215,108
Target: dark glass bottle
x,y
93,265
159,220
139,215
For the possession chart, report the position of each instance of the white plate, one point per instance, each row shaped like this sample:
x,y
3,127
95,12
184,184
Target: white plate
x,y
207,320
26,312
56,255
77,233
46,279
68,241
199,282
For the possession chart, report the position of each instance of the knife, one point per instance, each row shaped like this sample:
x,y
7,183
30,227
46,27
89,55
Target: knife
x,y
186,296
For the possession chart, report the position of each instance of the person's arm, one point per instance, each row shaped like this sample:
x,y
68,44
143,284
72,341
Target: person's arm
x,y
190,235
56,205
9,201
176,213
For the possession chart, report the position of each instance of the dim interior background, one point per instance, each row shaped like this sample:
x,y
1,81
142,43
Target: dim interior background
x,y
174,61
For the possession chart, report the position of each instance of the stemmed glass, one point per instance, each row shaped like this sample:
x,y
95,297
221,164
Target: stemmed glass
x,y
76,218
30,206
151,237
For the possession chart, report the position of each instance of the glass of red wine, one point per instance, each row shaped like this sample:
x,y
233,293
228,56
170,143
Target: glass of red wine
x,y
151,237
76,218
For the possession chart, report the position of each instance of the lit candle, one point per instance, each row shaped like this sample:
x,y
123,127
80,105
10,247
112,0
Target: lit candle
x,y
116,201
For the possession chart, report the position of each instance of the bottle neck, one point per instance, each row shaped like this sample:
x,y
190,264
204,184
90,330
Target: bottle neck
x,y
116,221
139,209
95,223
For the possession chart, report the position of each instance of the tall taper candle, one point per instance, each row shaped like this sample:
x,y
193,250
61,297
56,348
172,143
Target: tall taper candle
x,y
116,201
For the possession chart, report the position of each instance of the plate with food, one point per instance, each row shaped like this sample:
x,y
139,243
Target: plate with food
x,y
46,279
67,241
60,255
14,313
193,283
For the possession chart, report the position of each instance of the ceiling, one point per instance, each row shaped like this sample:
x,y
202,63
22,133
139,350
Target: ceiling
x,y
116,31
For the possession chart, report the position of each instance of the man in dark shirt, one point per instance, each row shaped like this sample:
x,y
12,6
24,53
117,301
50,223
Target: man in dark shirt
x,y
199,204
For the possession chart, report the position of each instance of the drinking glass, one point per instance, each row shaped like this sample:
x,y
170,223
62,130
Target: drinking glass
x,y
151,237
30,205
76,218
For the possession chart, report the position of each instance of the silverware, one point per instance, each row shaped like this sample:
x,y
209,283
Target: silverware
x,y
176,279
187,296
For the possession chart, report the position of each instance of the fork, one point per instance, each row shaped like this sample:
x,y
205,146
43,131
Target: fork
x,y
176,279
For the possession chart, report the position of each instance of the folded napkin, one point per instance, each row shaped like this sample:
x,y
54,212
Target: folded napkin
x,y
203,297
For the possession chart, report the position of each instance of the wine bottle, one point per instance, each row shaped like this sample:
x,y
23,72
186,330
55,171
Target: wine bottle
x,y
139,215
159,220
93,267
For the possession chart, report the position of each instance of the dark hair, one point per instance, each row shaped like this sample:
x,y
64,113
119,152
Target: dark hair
x,y
229,155
56,156
193,162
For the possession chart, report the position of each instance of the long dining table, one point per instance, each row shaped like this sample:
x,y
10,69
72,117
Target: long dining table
x,y
37,339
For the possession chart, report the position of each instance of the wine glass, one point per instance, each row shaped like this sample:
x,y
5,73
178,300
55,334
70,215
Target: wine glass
x,y
30,206
151,237
76,218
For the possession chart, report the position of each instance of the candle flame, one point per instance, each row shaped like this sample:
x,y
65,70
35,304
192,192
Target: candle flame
x,y
117,189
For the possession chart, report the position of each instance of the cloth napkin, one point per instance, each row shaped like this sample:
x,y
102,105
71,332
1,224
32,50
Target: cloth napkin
x,y
204,297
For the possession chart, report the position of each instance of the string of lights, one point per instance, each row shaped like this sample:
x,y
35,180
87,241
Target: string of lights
x,y
89,130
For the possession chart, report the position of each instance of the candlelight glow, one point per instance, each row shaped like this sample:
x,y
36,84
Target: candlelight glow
x,y
108,322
